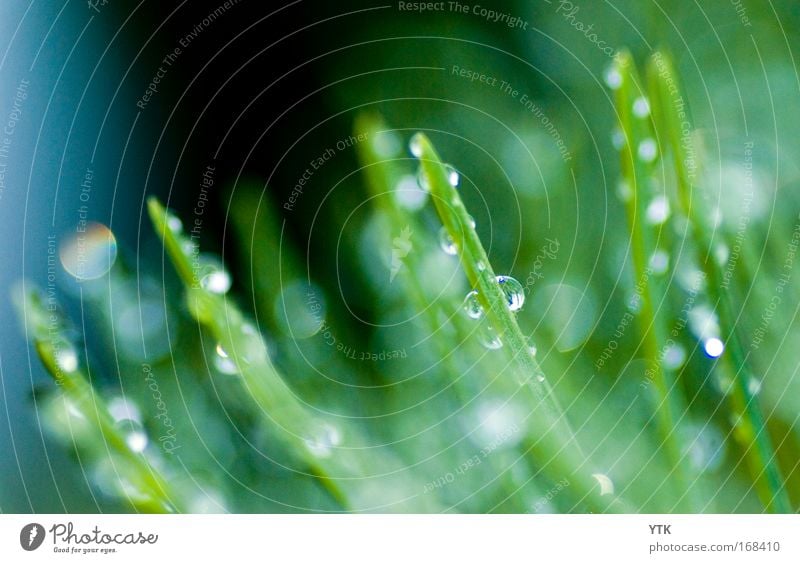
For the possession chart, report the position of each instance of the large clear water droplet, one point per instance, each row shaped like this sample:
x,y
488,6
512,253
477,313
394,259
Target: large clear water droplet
x,y
89,254
446,242
472,306
513,291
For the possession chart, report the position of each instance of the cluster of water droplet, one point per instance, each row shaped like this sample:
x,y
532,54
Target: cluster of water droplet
x,y
514,295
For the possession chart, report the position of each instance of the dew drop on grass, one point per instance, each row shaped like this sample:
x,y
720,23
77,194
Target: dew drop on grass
x,y
480,265
641,107
409,195
67,359
658,210
137,441
223,362
422,180
659,262
415,145
713,347
453,177
214,277
446,242
322,440
513,291
90,254
488,337
472,306
605,483
612,77
674,356
174,223
648,150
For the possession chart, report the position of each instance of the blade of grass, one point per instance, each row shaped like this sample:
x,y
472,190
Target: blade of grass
x,y
47,330
670,406
752,432
556,449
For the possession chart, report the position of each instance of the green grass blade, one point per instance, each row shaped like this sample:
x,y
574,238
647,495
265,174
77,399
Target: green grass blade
x,y
556,449
752,432
46,329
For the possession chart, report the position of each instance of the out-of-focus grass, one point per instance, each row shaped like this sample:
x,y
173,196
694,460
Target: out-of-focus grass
x,y
507,412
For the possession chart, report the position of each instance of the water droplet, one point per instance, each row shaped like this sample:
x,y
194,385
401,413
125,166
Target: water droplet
x,y
415,145
90,254
617,138
488,337
214,278
67,359
648,150
137,441
223,362
422,180
658,210
453,176
174,223
540,378
673,357
480,265
322,440
472,306
472,222
613,77
659,262
641,107
446,242
121,408
300,309
513,291
754,386
409,195
605,482
714,347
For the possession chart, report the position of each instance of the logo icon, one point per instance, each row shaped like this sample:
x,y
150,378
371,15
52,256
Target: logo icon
x,y
31,536
401,246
